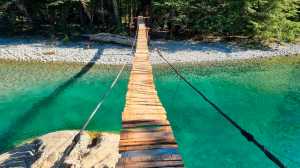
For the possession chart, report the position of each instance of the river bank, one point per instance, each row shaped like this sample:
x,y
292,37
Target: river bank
x,y
175,51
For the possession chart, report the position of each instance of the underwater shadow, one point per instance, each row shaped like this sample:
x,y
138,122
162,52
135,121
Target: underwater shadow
x,y
290,107
175,46
198,46
6,137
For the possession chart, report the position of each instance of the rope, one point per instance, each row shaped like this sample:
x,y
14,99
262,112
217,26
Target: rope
x,y
102,99
107,92
246,134
76,138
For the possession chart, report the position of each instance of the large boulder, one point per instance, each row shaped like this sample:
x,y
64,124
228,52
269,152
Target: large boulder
x,y
95,150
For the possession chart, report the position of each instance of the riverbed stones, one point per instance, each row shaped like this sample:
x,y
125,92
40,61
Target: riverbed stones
x,y
174,51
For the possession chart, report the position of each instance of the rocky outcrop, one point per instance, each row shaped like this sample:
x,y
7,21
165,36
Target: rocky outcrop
x,y
97,150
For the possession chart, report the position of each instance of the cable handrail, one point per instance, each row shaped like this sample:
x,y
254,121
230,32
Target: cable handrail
x,y
108,91
76,138
245,133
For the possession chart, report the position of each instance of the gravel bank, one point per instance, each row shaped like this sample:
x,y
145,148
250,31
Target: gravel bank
x,y
198,52
174,51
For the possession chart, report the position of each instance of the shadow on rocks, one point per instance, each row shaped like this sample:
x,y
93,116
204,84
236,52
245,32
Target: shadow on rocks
x,y
25,155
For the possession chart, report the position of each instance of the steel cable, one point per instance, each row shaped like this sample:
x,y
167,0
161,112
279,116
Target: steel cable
x,y
76,138
246,134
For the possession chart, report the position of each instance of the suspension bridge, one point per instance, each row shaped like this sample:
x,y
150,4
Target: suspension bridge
x,y
146,139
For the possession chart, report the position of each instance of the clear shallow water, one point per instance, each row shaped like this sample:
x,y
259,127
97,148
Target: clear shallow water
x,y
39,98
262,96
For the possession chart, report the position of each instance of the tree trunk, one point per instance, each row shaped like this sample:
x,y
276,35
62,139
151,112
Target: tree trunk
x,y
102,13
81,16
110,38
116,11
171,23
145,8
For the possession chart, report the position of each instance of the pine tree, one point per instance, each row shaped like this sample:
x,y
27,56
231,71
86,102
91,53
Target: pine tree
x,y
274,19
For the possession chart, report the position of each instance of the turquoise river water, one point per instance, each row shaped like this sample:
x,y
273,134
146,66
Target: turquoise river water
x,y
262,96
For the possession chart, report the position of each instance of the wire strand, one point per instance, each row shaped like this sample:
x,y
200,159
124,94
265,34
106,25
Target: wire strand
x,y
246,134
108,91
76,138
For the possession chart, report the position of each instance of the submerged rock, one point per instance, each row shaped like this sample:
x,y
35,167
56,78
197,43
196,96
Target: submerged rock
x,y
92,150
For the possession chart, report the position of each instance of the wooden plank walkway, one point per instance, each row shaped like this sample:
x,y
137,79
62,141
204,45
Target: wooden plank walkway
x,y
146,139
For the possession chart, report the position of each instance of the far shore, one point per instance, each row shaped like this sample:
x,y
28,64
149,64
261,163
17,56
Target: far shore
x,y
104,53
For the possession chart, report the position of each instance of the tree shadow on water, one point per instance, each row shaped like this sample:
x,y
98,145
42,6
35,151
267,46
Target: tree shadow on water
x,y
6,138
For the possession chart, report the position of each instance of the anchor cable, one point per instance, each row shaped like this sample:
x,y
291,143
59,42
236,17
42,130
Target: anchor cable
x,y
109,89
246,134
76,138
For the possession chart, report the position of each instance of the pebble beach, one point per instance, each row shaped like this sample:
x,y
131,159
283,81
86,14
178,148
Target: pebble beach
x,y
175,51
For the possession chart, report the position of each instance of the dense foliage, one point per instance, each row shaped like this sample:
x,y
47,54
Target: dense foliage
x,y
263,19
258,19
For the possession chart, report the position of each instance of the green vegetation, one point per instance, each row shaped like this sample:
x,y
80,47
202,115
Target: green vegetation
x,y
262,19
271,20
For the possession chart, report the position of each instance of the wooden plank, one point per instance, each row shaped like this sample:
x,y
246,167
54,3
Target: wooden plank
x,y
147,142
150,129
154,164
147,121
146,147
148,137
145,124
151,158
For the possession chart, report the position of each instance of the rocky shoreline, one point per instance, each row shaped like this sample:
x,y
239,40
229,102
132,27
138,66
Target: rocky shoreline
x,y
175,51
93,150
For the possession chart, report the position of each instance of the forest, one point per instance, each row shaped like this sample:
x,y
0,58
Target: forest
x,y
270,20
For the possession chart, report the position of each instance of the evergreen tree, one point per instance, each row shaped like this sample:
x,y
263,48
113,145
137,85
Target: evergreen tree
x,y
259,19
274,19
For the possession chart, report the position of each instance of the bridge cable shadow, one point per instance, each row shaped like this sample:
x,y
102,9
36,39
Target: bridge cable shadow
x,y
6,137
